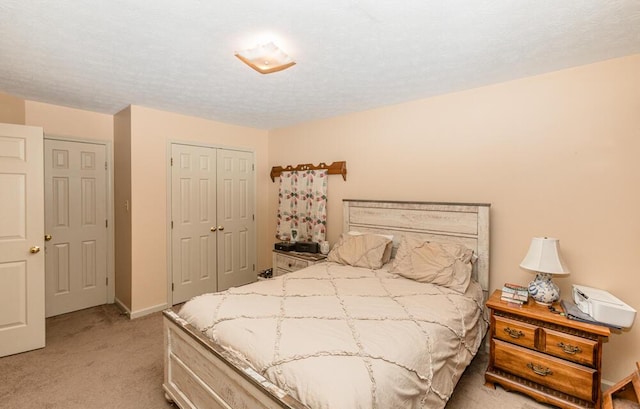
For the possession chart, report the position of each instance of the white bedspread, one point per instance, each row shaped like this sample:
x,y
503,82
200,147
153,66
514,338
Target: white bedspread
x,y
335,336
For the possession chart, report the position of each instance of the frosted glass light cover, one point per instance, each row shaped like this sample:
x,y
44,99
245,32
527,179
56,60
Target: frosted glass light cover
x,y
266,58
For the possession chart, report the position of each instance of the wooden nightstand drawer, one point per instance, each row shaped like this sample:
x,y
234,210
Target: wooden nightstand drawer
x,y
576,349
515,332
573,379
290,264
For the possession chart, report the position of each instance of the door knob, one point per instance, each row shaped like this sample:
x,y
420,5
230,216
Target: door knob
x,y
214,228
47,237
34,249
220,228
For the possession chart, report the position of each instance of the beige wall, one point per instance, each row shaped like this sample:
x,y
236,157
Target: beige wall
x,y
555,155
151,131
76,123
11,109
122,214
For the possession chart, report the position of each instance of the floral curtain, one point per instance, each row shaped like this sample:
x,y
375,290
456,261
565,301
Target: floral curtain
x,y
303,205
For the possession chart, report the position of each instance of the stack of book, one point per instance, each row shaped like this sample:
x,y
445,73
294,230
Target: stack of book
x,y
515,293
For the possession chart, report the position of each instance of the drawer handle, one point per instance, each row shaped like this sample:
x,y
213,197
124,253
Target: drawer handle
x,y
539,370
290,265
514,333
569,349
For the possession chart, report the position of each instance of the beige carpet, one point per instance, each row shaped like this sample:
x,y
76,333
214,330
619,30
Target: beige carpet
x,y
97,358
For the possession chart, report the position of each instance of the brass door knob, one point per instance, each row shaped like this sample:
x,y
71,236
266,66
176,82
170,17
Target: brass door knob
x,y
214,228
47,237
34,249
220,228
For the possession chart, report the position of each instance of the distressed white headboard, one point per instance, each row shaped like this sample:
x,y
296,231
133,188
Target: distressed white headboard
x,y
463,223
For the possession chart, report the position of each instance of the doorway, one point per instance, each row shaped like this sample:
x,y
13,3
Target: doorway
x,y
22,324
77,227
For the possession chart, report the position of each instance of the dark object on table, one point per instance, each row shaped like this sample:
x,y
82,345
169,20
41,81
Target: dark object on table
x,y
285,246
307,247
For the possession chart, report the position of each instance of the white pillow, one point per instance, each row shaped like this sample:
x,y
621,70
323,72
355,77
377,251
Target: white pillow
x,y
360,250
445,264
388,250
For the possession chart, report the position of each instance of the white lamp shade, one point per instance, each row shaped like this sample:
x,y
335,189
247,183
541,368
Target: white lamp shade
x,y
544,256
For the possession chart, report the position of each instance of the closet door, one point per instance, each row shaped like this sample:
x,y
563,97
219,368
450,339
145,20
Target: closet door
x,y
212,213
236,220
193,214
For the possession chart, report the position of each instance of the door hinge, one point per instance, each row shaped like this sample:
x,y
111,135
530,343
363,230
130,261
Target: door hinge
x,y
107,281
254,217
254,267
171,286
253,166
106,223
172,224
105,166
171,161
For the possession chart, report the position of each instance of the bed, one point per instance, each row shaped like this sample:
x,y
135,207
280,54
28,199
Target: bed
x,y
337,335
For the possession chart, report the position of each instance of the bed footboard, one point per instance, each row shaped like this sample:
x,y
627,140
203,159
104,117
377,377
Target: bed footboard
x,y
200,374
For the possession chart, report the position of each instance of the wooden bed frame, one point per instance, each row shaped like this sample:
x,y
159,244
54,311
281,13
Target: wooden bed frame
x,y
198,373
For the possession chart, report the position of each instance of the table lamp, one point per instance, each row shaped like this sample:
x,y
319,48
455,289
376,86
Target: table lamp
x,y
544,259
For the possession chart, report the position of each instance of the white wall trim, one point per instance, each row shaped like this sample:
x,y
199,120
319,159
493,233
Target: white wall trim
x,y
605,384
169,232
140,313
122,307
148,310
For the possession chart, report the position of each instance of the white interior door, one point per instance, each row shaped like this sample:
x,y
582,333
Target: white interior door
x,y
193,215
21,237
76,220
236,225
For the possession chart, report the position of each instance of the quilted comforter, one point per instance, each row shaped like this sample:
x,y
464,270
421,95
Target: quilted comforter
x,y
336,336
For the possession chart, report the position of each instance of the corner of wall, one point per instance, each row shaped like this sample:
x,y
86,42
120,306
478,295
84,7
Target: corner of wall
x,y
122,206
12,109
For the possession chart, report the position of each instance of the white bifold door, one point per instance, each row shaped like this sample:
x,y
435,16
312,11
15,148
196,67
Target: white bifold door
x,y
75,225
212,220
21,239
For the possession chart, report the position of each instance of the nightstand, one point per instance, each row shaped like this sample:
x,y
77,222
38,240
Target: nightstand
x,y
547,356
288,261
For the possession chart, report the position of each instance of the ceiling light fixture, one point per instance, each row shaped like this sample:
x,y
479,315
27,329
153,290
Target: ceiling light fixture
x,y
266,58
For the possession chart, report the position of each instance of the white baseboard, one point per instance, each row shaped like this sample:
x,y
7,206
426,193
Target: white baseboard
x,y
147,311
122,307
605,384
140,313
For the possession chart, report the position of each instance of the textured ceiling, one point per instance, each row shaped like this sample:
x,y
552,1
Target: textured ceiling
x,y
352,55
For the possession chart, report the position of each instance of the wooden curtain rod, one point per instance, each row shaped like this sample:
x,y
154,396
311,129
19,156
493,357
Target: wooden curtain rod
x,y
336,168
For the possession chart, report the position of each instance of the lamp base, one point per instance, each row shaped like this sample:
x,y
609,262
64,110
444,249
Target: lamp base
x,y
543,290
